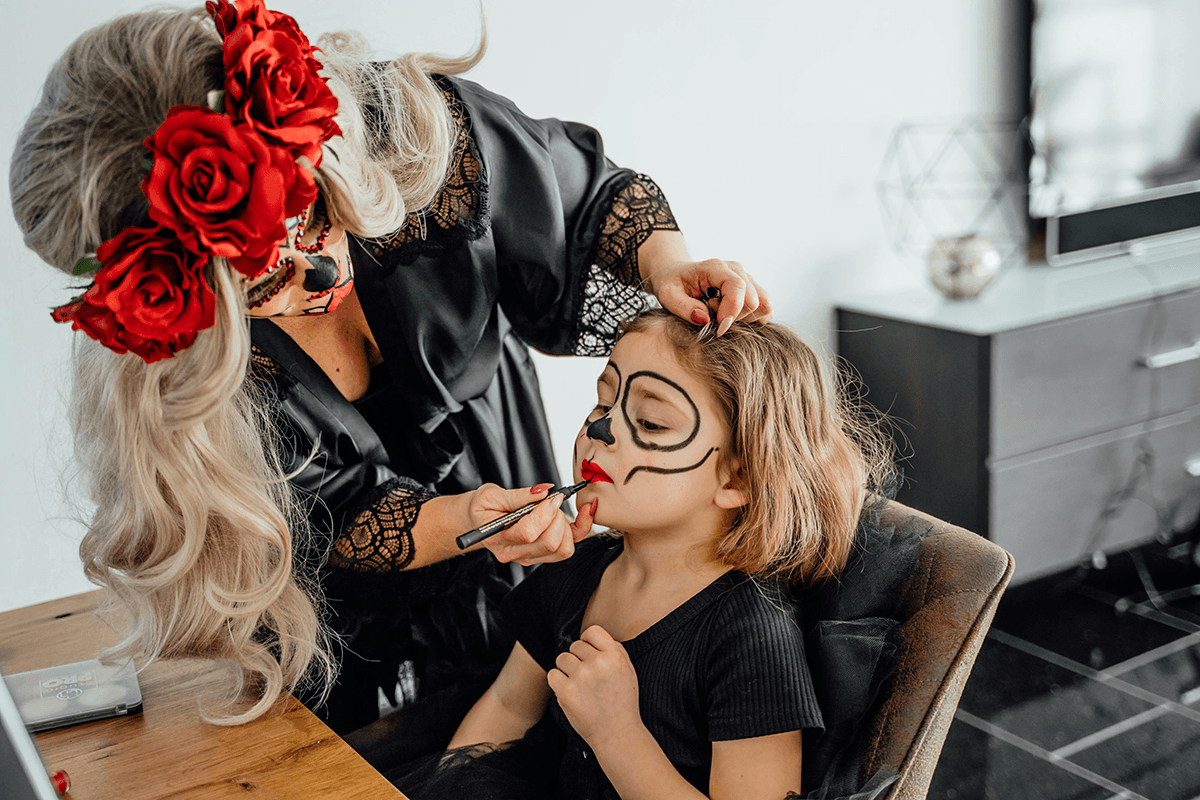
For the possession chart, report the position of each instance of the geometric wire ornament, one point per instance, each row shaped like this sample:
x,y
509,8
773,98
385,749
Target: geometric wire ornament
x,y
941,180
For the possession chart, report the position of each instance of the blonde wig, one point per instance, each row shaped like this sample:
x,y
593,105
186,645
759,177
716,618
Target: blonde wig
x,y
806,456
196,533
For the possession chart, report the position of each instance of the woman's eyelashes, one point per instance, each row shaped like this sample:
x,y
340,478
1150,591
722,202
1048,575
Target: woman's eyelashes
x,y
280,274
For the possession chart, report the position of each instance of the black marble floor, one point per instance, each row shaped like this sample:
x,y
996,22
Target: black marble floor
x,y
1087,687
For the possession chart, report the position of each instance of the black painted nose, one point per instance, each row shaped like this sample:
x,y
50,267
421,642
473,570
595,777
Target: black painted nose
x,y
601,430
322,276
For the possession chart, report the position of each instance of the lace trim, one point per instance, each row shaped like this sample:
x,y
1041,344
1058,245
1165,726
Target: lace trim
x,y
379,536
458,214
262,365
639,209
612,291
606,302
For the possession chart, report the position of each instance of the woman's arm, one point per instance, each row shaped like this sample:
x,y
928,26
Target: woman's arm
x,y
511,705
606,233
405,529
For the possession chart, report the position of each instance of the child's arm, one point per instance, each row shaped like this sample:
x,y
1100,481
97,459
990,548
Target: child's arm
x,y
765,766
511,705
597,688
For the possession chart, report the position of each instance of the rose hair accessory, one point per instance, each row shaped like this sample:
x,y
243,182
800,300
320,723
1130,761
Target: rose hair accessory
x,y
220,185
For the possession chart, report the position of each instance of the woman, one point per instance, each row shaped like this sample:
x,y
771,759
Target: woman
x,y
398,235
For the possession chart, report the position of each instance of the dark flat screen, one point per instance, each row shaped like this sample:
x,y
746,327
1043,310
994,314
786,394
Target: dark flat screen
x,y
1125,223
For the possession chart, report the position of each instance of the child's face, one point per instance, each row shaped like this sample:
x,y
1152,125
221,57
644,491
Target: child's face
x,y
653,444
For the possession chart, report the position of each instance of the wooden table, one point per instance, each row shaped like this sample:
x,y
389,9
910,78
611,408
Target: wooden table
x,y
167,750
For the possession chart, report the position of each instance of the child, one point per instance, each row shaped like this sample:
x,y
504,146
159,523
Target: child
x,y
670,655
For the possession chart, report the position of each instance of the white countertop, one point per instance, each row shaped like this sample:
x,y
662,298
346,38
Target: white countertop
x,y
1029,294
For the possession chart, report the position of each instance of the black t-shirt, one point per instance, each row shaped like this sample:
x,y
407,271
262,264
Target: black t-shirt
x,y
727,664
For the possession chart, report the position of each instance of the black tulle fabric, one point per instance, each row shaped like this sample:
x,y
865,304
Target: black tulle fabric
x,y
520,770
508,256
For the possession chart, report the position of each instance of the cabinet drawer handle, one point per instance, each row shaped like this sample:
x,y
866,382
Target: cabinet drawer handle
x,y
1159,360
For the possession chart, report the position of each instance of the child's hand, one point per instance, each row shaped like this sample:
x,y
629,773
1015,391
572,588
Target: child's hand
x,y
596,686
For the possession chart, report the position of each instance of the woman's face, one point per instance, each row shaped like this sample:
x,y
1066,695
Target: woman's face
x,y
313,274
652,445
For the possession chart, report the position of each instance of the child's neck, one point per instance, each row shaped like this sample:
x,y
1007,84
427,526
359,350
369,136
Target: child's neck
x,y
655,559
655,573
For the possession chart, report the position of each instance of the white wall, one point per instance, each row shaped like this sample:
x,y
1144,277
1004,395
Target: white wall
x,y
765,121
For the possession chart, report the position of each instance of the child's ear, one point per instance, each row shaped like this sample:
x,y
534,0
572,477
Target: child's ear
x,y
733,493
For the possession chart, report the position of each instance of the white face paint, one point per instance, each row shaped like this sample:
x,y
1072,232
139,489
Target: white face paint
x,y
313,275
652,444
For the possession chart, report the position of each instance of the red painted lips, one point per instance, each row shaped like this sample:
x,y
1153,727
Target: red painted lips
x,y
593,472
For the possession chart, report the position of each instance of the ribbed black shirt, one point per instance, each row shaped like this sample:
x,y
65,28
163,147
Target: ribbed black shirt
x,y
727,664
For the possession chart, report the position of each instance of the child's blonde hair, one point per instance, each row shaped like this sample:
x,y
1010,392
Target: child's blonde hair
x,y
806,456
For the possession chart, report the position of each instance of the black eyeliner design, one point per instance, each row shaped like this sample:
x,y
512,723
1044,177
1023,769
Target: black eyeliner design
x,y
665,448
665,471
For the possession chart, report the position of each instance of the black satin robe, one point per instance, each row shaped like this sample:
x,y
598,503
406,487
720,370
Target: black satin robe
x,y
456,401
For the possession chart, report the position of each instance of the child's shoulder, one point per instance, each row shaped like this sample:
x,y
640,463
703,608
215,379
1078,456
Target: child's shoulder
x,y
757,604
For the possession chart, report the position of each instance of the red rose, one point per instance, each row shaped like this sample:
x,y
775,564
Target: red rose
x,y
228,16
223,189
149,296
273,85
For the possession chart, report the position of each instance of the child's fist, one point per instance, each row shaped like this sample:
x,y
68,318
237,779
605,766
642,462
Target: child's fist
x,y
596,685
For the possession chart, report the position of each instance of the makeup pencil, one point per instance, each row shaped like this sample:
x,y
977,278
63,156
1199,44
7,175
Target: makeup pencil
x,y
508,520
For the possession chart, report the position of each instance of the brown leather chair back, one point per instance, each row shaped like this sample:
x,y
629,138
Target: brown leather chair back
x,y
949,603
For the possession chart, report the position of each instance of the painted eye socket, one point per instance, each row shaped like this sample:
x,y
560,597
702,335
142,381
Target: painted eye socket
x,y
651,396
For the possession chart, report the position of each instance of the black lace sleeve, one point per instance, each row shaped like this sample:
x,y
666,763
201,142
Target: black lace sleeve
x,y
378,536
459,213
639,209
613,289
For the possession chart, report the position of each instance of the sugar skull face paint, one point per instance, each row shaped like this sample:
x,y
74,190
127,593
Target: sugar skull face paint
x,y
314,273
651,444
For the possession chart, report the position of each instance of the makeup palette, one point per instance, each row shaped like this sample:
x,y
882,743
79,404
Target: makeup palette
x,y
55,697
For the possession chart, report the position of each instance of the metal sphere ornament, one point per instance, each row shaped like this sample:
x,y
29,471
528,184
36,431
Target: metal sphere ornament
x,y
961,266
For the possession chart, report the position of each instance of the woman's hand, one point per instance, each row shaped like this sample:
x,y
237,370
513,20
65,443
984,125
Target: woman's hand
x,y
680,287
543,535
597,687
679,283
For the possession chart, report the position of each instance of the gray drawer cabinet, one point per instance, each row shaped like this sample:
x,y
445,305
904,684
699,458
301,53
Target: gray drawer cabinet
x,y
1025,418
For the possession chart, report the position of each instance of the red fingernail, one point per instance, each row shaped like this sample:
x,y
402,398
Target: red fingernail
x,y
699,317
540,488
595,505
